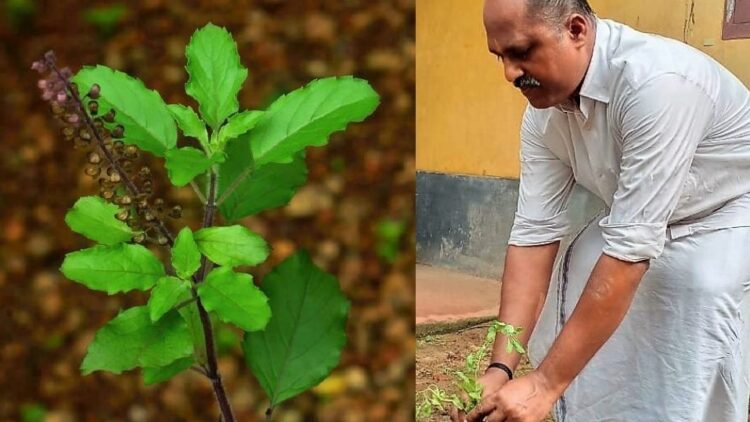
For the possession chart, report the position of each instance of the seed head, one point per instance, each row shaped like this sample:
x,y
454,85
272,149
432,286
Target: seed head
x,y
94,91
92,171
110,116
94,158
118,131
176,212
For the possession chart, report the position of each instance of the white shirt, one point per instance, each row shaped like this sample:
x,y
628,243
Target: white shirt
x,y
662,136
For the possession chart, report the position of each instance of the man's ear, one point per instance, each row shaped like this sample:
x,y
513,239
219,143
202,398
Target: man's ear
x,y
579,29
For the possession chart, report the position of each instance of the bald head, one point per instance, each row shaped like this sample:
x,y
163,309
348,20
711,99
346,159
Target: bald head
x,y
553,12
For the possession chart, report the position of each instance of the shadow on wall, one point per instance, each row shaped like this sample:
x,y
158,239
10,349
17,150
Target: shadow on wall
x,y
463,222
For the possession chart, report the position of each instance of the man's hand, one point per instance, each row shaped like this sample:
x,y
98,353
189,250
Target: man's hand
x,y
491,382
526,399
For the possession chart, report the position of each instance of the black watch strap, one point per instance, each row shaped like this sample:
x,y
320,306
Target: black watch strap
x,y
502,366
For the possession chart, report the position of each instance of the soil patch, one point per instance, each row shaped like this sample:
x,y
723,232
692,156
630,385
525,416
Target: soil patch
x,y
438,355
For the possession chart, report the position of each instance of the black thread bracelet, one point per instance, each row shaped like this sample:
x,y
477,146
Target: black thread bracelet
x,y
502,366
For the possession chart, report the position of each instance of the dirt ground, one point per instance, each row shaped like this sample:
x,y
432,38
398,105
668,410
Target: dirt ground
x,y
441,354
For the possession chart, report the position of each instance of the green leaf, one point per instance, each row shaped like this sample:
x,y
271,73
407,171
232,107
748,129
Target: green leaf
x,y
168,292
140,111
94,218
518,346
118,268
131,339
232,245
33,412
192,318
215,73
189,122
234,299
237,125
183,164
270,186
163,373
302,343
186,258
307,116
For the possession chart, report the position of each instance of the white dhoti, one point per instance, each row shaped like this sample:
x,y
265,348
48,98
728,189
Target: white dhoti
x,y
681,352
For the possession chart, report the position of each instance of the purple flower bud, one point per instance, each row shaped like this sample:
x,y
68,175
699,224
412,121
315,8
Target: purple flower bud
x,y
41,83
47,95
72,118
50,57
66,73
61,97
39,66
59,85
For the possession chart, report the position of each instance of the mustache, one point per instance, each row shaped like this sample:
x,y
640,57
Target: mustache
x,y
526,81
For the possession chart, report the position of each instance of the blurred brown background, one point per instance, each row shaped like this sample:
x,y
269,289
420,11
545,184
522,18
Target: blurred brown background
x,y
355,215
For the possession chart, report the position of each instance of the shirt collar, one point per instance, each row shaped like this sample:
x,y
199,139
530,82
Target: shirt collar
x,y
596,83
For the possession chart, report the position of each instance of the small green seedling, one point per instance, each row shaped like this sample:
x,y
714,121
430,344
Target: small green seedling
x,y
467,378
239,163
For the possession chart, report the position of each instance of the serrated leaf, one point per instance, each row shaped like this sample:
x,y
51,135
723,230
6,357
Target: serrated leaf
x,y
163,373
186,258
168,292
232,245
234,299
94,218
215,73
270,186
238,124
189,122
183,164
141,112
117,268
303,340
307,116
130,340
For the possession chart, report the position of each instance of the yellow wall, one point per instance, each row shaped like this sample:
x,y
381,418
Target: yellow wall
x,y
468,116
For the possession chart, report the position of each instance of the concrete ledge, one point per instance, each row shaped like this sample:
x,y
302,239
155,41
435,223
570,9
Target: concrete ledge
x,y
435,328
447,298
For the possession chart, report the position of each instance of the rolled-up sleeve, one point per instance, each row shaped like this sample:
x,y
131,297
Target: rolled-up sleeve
x,y
545,186
661,124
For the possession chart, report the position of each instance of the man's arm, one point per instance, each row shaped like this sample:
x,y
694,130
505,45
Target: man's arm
x,y
602,306
525,282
